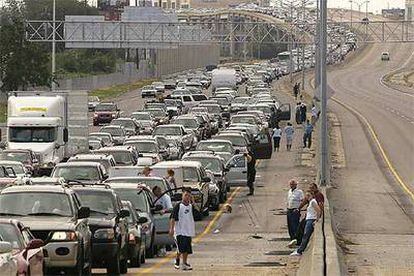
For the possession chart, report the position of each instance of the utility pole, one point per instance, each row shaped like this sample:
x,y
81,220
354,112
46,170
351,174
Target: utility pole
x,y
317,50
291,46
324,168
53,84
366,9
303,47
351,1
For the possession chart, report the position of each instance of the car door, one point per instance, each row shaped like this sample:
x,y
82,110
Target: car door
x,y
284,112
262,146
161,222
237,170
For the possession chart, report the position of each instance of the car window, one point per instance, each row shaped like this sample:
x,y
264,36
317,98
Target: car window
x,y
187,98
9,233
36,203
190,174
137,198
77,173
263,138
238,162
101,203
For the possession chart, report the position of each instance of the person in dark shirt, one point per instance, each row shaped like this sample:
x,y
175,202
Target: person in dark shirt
x,y
251,171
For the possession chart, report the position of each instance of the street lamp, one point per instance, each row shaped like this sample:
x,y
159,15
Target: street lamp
x,y
53,84
351,1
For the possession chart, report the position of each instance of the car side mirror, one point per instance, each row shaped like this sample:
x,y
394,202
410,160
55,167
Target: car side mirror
x,y
65,135
124,213
142,220
35,244
206,179
83,212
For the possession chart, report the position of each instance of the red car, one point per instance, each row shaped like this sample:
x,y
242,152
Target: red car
x,y
105,113
27,250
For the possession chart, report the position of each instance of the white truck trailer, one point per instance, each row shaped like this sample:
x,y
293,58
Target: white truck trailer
x,y
223,77
54,125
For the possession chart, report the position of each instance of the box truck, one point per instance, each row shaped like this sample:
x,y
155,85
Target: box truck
x,y
54,125
223,77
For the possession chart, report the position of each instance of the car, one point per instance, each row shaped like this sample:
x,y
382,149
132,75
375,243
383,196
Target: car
x,y
105,160
159,87
215,110
131,126
189,174
93,101
26,156
105,113
385,56
107,139
123,155
216,165
118,133
27,250
146,120
173,107
148,91
84,172
222,148
238,141
177,132
136,237
146,148
109,227
18,168
95,143
55,215
191,124
8,177
142,202
160,116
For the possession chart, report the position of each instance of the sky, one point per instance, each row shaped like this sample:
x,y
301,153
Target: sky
x,y
373,6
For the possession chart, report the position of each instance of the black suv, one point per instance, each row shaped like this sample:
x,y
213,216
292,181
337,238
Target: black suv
x,y
109,227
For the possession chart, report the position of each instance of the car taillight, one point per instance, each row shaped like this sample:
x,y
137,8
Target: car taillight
x,y
131,239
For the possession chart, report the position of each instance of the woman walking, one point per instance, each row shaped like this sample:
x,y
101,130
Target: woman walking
x,y
277,135
289,131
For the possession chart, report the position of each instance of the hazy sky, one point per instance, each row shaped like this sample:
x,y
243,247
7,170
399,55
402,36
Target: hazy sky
x,y
373,6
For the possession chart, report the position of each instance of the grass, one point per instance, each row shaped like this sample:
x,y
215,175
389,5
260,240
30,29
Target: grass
x,y
3,112
117,90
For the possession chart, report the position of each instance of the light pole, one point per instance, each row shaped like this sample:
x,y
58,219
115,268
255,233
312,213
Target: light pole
x,y
53,84
351,1
366,9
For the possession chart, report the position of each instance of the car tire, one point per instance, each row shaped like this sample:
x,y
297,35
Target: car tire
x,y
114,266
123,266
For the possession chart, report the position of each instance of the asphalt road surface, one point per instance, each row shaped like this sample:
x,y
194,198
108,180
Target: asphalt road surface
x,y
373,211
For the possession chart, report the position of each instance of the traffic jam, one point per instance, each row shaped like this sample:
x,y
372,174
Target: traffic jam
x,y
68,209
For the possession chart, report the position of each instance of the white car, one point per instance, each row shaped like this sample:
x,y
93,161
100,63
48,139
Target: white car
x,y
385,56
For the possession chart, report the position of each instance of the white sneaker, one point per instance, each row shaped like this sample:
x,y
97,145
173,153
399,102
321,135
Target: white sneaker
x,y
292,243
295,253
162,252
186,267
177,263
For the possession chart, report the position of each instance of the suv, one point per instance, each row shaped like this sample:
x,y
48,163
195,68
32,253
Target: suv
x,y
105,113
178,132
109,227
56,216
118,133
105,160
85,172
123,155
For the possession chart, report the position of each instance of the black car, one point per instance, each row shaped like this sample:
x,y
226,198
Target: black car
x,y
109,227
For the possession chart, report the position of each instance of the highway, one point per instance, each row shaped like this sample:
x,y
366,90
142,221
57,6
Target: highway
x,y
373,211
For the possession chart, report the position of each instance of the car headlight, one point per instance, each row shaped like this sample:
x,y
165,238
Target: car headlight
x,y
64,236
113,115
95,115
104,234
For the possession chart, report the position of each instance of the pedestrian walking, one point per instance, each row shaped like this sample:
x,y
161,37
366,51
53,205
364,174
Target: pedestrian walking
x,y
307,134
313,213
303,110
182,228
294,198
296,90
289,132
277,135
320,199
171,178
251,171
297,114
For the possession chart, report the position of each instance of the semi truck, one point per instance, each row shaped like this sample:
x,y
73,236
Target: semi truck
x,y
223,77
54,125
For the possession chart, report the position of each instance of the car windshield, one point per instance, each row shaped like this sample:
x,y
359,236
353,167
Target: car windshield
x,y
93,99
190,174
8,233
156,113
141,116
264,109
105,138
187,123
239,100
163,142
143,146
35,203
32,134
77,173
15,156
172,131
100,202
138,200
151,183
170,102
213,109
105,107
199,98
211,164
237,141
222,101
124,123
243,120
121,157
114,131
214,146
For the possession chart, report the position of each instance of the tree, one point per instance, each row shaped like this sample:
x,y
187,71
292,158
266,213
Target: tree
x,y
42,9
22,64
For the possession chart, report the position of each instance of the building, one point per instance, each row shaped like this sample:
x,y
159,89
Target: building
x,y
409,10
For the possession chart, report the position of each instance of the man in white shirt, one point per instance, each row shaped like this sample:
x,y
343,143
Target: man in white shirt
x,y
182,226
294,198
162,199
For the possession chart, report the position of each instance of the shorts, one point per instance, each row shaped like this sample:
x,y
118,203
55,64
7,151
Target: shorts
x,y
184,244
